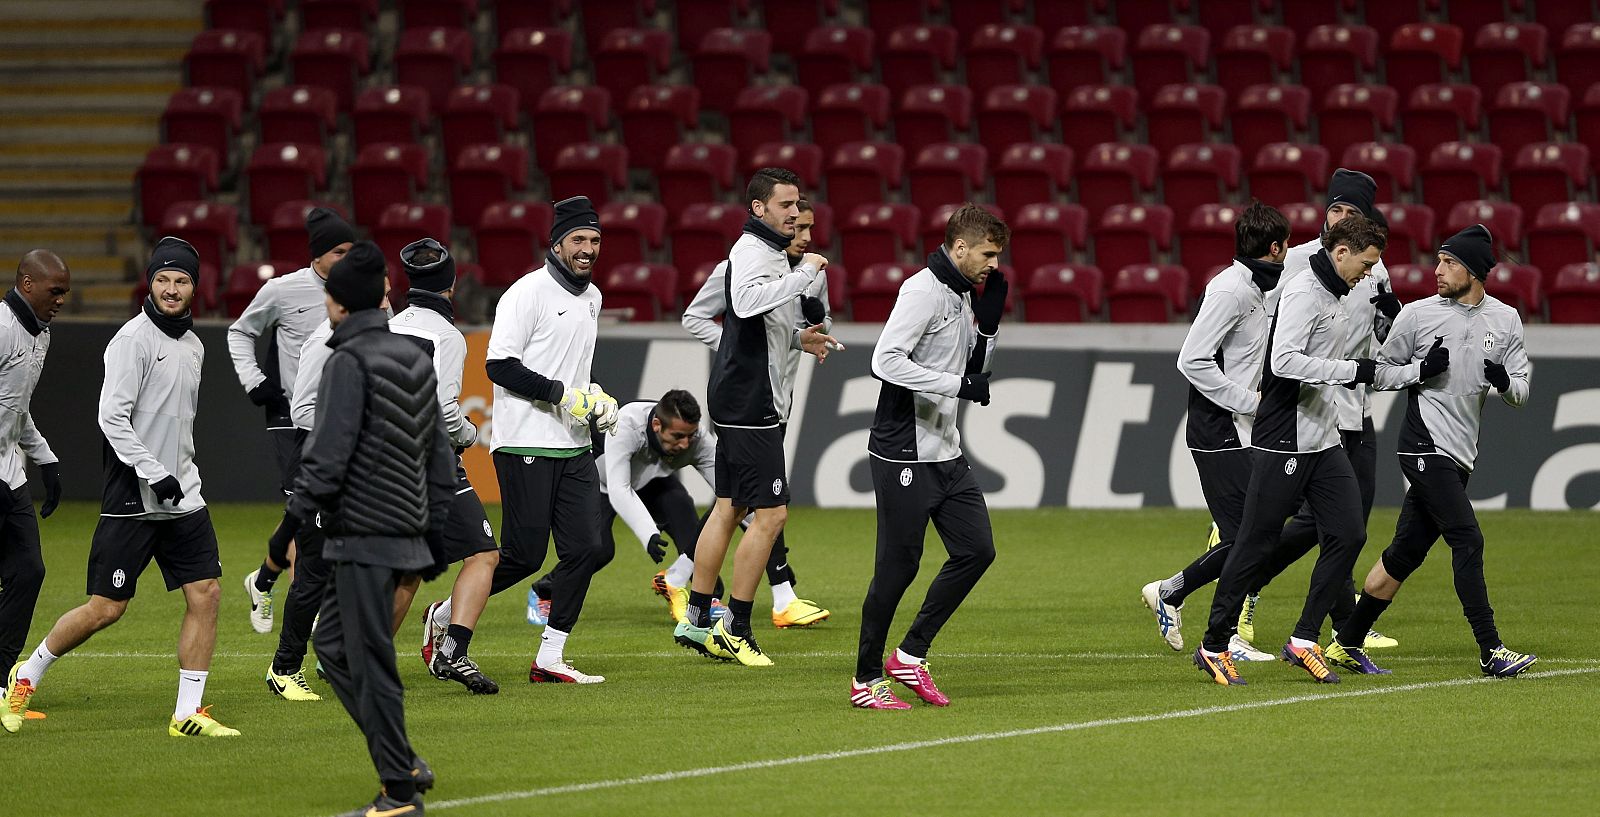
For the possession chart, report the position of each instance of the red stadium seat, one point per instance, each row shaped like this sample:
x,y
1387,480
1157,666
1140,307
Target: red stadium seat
x,y
1337,54
212,227
948,173
968,18
1137,16
402,224
1221,16
804,159
1577,58
1113,174
384,174
1002,54
1441,113
935,221
645,290
437,13
510,237
593,170
1561,16
1506,52
630,57
1055,16
1393,167
298,114
916,54
1086,55
1528,112
1016,114
286,233
1574,295
789,22
247,279
1422,53
727,61
283,172
1503,219
532,61
696,19
1518,285
873,294
1301,16
485,174
1099,113
849,113
632,230
1586,122
1039,172
1206,238
1355,113
1182,114
932,114
335,60
1148,293
705,233
1549,172
534,14
822,230
1132,234
1045,234
339,15
1389,17
1457,171
1253,55
1167,54
772,113
1269,113
568,115
1410,230
1562,233
1284,172
392,113
208,117
225,58
601,17
689,285
1412,282
1062,293
1199,174
694,173
655,118
864,173
253,16
433,59
833,55
1305,220
477,114
878,233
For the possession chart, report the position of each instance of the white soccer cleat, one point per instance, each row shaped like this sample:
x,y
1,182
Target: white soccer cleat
x,y
260,604
562,673
432,636
1169,619
1245,651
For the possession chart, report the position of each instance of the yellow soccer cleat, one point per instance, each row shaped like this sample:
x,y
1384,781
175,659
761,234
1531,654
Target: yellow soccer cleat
x,y
1247,617
200,724
743,648
18,694
291,687
1213,538
677,597
800,613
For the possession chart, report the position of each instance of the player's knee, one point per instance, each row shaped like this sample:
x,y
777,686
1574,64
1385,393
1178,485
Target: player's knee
x,y
204,596
981,554
1468,540
104,612
602,554
29,573
487,560
772,519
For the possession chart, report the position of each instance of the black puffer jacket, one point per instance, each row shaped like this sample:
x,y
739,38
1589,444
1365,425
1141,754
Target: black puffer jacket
x,y
378,465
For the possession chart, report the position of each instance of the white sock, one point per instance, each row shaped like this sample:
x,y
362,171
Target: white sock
x,y
33,669
1209,654
906,658
191,690
782,594
1302,643
681,571
1170,586
441,614
552,646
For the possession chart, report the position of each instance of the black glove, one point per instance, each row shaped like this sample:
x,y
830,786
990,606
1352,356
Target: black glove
x,y
989,306
1494,372
975,387
1437,360
656,547
441,562
1386,302
278,542
50,472
814,310
1366,372
271,398
166,490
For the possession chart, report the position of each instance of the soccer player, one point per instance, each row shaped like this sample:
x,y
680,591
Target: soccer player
x,y
934,352
700,318
1221,358
42,284
377,476
151,505
287,309
540,352
1296,441
1439,444
748,395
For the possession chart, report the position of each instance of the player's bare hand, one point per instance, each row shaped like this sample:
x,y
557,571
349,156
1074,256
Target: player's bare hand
x,y
813,341
814,260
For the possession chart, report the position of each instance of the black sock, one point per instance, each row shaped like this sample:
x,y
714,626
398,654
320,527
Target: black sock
x,y
720,591
266,577
739,611
458,637
1368,608
1484,650
699,611
403,790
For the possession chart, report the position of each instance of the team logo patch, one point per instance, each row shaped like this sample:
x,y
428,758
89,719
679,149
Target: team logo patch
x,y
1288,467
527,460
1488,342
777,487
487,531
316,519
119,578
591,310
905,476
1422,464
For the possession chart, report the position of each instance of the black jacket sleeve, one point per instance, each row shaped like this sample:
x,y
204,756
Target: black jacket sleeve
x,y
510,374
341,409
441,477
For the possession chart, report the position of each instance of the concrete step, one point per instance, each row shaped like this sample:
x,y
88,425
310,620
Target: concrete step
x,y
69,242
82,127
49,180
101,299
66,210
94,10
108,155
112,31
22,59
133,98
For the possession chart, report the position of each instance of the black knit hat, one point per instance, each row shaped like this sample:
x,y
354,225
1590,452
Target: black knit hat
x,y
173,253
575,213
1354,188
356,281
434,276
327,230
1474,248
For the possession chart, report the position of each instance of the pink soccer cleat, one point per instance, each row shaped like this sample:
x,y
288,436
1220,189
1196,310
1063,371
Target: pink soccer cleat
x,y
917,678
875,695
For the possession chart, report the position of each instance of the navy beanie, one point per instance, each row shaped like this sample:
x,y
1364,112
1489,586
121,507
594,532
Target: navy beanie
x,y
1474,248
173,253
327,230
356,281
1354,188
575,213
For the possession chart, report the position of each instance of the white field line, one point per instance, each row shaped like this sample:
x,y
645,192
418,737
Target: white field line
x,y
981,737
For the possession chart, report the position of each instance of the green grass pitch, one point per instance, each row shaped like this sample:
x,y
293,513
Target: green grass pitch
x,y
1054,636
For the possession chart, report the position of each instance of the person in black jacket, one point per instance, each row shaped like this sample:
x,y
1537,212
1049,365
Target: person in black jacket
x,y
377,475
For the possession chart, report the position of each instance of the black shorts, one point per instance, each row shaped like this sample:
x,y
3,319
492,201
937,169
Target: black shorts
x,y
750,469
467,531
185,548
286,445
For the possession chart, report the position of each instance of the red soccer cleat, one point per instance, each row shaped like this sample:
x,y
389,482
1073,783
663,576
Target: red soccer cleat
x,y
875,695
917,678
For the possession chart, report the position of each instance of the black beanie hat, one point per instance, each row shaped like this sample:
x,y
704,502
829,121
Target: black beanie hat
x,y
356,281
1354,188
436,276
1474,248
1380,219
575,213
327,230
173,253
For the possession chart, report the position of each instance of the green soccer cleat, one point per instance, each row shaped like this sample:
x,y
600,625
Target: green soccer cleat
x,y
292,687
200,724
743,648
699,639
1247,617
18,693
260,604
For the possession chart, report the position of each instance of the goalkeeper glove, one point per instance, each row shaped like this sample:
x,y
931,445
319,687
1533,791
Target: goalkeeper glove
x,y
605,409
576,405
